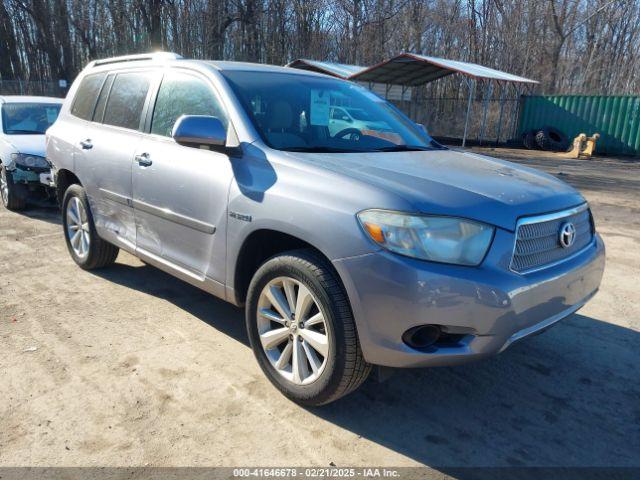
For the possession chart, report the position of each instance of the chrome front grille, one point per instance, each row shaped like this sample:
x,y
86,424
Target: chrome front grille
x,y
538,239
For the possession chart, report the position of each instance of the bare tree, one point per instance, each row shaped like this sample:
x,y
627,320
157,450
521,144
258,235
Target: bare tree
x,y
569,45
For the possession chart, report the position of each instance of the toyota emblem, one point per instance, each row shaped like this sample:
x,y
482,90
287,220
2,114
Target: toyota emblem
x,y
567,234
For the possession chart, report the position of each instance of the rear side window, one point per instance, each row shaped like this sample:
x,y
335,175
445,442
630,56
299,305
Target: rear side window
x,y
86,96
183,94
126,100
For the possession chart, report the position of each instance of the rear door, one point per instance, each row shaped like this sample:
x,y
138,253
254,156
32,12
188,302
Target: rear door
x,y
109,144
180,193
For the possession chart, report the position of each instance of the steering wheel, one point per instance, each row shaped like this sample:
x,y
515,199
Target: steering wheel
x,y
352,133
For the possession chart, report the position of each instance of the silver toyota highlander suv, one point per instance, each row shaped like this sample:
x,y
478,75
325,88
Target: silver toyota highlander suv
x,y
348,249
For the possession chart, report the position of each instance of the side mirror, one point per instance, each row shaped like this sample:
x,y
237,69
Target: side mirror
x,y
198,130
422,127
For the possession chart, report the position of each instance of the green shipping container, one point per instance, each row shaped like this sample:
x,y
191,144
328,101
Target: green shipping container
x,y
615,118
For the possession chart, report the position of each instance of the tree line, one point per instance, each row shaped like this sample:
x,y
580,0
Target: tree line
x,y
570,46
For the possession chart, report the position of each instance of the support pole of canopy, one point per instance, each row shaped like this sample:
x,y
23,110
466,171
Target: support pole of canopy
x,y
404,89
516,111
432,115
501,112
472,86
485,107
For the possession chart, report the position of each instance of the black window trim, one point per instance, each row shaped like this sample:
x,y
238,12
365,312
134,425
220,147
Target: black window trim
x,y
108,83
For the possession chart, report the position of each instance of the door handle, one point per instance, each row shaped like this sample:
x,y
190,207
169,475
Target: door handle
x,y
144,160
86,144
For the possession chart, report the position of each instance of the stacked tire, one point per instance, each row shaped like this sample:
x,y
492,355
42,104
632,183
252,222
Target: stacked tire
x,y
549,139
529,140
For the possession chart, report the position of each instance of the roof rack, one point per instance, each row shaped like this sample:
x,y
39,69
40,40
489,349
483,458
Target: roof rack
x,y
137,58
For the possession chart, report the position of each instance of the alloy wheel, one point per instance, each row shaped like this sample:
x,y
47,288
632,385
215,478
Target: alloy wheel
x,y
78,227
4,187
292,330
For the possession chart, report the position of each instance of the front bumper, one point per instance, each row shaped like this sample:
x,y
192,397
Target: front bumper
x,y
489,306
31,176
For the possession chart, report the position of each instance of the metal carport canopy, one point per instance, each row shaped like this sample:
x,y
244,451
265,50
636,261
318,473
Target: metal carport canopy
x,y
411,69
339,70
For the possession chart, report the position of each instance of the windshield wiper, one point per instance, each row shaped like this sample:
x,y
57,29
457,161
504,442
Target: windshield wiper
x,y
23,132
320,150
404,148
393,148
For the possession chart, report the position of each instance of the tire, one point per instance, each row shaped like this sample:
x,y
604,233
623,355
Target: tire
x,y
552,140
529,140
95,253
14,197
343,369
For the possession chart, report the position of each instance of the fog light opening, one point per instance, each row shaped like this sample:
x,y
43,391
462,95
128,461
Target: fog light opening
x,y
422,336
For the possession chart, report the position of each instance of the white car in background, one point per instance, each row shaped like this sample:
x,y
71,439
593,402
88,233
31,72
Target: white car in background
x,y
24,170
346,118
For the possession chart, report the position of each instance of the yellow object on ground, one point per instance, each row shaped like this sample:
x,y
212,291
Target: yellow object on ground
x,y
583,146
590,146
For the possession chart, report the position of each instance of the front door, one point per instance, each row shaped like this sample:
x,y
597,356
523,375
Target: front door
x,y
180,193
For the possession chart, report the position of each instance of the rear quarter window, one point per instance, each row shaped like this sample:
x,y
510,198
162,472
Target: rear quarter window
x,y
87,95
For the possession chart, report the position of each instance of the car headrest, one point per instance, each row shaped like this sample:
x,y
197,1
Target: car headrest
x,y
279,115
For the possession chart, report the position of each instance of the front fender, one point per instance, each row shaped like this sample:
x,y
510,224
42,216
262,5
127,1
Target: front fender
x,y
6,149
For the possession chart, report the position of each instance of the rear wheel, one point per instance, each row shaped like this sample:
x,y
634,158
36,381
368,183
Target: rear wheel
x,y
14,197
302,331
87,249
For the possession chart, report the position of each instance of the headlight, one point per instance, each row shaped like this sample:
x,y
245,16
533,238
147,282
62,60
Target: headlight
x,y
438,239
32,161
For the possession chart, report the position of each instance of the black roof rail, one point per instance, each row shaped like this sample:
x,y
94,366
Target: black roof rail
x,y
137,57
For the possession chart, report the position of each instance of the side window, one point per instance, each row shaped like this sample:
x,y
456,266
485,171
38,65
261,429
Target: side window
x,y
86,96
126,100
183,94
339,114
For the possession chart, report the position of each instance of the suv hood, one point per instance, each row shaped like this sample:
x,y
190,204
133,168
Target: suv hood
x,y
28,144
448,182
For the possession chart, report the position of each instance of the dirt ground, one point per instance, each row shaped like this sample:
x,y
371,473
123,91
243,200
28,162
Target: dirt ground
x,y
129,366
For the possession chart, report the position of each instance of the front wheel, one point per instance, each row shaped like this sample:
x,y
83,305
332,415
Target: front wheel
x,y
302,330
87,249
14,197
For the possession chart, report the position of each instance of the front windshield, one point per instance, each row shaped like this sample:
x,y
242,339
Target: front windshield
x,y
307,113
28,118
